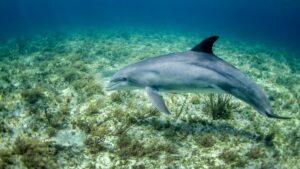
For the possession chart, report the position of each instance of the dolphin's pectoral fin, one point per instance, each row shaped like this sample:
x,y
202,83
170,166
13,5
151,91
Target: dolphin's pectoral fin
x,y
157,100
206,45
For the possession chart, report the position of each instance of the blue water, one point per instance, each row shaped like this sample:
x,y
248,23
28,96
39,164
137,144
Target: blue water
x,y
276,21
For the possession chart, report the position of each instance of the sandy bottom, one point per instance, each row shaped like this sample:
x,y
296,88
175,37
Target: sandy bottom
x,y
55,112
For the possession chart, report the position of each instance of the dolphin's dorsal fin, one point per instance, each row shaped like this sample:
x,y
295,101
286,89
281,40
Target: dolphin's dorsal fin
x,y
206,45
157,100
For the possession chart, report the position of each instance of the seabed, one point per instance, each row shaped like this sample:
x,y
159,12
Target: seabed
x,y
55,113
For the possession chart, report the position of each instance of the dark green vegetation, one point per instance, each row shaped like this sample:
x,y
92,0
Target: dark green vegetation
x,y
33,96
220,106
51,83
129,147
32,152
206,140
35,153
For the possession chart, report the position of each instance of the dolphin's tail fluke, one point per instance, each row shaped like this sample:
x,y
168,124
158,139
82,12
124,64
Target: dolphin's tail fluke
x,y
272,115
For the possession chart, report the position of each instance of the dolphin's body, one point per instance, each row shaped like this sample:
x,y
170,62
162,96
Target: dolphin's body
x,y
192,71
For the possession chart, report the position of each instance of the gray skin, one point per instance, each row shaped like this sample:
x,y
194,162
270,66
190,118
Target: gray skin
x,y
197,70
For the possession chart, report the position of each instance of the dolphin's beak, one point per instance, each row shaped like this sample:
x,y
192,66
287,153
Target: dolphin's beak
x,y
110,86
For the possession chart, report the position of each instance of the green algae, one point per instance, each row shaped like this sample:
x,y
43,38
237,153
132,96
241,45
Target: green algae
x,y
206,140
71,75
229,156
2,107
4,128
6,159
95,144
120,96
129,147
255,153
195,100
32,153
33,96
220,106
35,153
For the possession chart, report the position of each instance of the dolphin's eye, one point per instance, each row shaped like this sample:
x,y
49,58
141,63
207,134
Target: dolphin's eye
x,y
124,79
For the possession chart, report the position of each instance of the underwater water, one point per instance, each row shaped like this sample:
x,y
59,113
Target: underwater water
x,y
56,58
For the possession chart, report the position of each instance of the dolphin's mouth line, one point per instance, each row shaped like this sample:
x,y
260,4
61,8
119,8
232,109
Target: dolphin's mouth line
x,y
110,86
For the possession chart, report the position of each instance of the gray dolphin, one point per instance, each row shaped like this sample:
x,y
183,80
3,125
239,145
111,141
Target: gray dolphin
x,y
191,71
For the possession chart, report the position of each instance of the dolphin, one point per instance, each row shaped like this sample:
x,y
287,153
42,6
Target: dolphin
x,y
195,70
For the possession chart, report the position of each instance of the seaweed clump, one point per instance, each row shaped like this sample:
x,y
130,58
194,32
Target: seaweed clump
x,y
37,103
2,106
95,144
87,87
130,147
71,75
206,140
4,128
255,153
195,100
120,96
31,152
229,156
220,106
35,153
32,96
95,140
6,158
